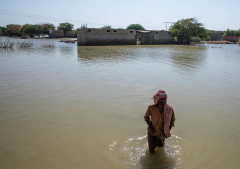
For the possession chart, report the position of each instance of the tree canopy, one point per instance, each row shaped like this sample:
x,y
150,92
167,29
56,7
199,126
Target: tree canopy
x,y
106,27
31,30
13,30
136,26
232,33
66,27
3,30
184,30
0,31
74,31
46,27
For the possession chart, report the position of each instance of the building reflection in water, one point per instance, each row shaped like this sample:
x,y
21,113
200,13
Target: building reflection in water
x,y
188,59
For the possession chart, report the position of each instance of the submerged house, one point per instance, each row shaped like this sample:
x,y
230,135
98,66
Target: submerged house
x,y
97,37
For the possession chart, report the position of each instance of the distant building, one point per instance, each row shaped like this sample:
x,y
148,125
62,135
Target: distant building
x,y
91,37
216,35
154,37
56,33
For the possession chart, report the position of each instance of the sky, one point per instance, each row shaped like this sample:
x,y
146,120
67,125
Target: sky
x,y
214,14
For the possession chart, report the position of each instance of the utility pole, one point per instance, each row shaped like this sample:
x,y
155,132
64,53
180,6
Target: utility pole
x,y
169,22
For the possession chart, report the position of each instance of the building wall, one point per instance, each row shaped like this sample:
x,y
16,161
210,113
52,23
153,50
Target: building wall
x,y
147,38
216,35
92,37
57,34
154,37
232,38
161,37
70,35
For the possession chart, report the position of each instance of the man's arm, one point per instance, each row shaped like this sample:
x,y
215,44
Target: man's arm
x,y
146,118
172,120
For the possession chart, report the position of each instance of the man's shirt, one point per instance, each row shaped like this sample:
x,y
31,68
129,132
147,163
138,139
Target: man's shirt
x,y
157,119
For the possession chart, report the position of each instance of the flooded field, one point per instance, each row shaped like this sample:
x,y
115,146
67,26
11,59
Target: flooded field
x,y
68,106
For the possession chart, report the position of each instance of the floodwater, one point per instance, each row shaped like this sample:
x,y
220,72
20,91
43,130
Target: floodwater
x,y
82,107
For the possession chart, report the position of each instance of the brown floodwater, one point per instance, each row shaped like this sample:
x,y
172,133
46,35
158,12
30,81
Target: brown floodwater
x,y
72,106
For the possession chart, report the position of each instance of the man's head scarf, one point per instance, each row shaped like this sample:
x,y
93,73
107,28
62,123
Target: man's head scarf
x,y
167,111
159,95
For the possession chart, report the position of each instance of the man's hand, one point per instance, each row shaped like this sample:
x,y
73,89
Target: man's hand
x,y
150,126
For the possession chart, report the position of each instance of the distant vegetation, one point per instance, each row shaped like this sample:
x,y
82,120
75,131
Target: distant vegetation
x,y
34,30
106,27
13,30
74,31
46,27
232,33
31,30
66,27
184,30
136,26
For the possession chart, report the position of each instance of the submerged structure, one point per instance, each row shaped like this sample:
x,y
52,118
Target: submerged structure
x,y
97,37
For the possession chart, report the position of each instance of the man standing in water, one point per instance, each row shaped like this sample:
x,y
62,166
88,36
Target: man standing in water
x,y
162,120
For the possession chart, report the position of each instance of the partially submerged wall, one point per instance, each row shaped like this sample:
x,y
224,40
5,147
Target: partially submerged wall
x,y
57,34
94,37
216,35
154,37
161,37
70,35
146,37
232,38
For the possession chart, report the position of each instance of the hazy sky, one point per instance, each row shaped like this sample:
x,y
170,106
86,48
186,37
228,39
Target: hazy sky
x,y
214,14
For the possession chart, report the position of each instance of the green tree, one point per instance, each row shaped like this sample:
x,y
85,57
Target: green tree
x,y
106,27
74,31
237,33
205,35
1,31
13,30
23,27
46,27
232,33
184,30
32,30
66,27
136,26
227,33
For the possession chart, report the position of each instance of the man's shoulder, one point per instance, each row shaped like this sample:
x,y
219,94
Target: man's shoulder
x,y
151,105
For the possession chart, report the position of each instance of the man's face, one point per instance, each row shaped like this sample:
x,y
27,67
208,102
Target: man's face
x,y
162,101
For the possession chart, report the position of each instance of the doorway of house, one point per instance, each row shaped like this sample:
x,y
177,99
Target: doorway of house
x,y
144,37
